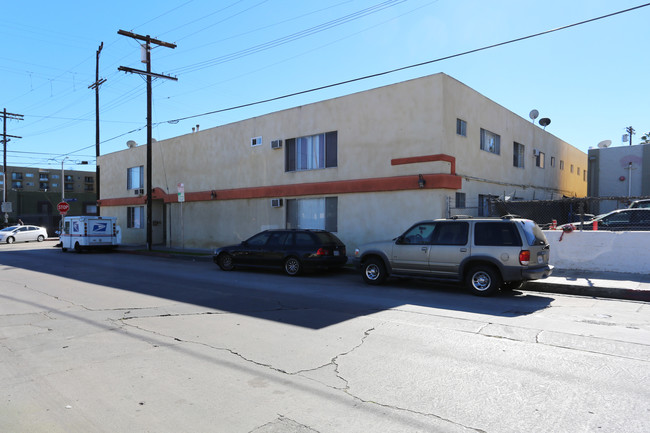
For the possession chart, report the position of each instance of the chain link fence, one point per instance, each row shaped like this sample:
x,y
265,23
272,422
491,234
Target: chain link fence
x,y
549,212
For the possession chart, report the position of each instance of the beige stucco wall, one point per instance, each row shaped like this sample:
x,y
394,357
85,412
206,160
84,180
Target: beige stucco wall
x,y
409,119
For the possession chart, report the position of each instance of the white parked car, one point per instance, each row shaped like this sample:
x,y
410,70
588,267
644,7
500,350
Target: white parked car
x,y
22,234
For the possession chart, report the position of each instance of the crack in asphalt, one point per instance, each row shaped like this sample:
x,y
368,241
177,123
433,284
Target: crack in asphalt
x,y
334,361
281,423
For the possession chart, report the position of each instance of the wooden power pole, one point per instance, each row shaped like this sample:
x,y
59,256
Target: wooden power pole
x,y
95,86
148,40
6,116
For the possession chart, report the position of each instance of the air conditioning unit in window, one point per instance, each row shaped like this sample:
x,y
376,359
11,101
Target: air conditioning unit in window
x,y
536,152
138,191
276,202
276,144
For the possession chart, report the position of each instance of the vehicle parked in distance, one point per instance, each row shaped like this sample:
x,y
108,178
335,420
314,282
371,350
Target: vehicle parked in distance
x,y
23,233
642,204
636,219
484,253
293,250
89,232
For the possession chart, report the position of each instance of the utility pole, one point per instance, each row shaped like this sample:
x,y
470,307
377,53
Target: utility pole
x,y
630,131
5,140
95,86
148,40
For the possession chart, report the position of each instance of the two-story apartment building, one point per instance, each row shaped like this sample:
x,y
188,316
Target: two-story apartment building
x,y
365,166
35,192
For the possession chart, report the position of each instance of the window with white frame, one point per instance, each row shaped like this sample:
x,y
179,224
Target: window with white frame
x,y
311,152
539,159
135,177
490,142
256,141
461,127
135,217
313,213
518,155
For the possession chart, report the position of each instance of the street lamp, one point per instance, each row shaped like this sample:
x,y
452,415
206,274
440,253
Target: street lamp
x,y
4,196
63,180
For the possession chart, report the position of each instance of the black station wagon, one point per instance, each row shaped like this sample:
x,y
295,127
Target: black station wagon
x,y
292,249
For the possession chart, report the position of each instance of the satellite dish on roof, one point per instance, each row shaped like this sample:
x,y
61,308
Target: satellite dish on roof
x,y
533,115
131,144
544,121
605,143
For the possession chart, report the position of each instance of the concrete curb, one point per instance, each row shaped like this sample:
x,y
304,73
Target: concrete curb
x,y
588,291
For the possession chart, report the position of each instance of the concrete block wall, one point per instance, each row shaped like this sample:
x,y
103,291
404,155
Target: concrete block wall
x,y
600,251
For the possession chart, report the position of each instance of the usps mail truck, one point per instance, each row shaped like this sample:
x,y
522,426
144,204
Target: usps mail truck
x,y
89,232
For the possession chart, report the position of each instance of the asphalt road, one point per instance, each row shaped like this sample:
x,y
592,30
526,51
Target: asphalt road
x,y
105,342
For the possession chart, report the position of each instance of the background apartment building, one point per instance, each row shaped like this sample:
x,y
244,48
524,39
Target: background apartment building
x,y
621,171
365,165
35,192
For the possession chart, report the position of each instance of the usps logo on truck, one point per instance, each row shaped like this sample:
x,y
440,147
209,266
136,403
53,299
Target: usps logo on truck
x,y
75,226
100,227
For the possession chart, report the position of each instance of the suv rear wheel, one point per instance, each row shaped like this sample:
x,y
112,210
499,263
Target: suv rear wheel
x,y
374,271
483,280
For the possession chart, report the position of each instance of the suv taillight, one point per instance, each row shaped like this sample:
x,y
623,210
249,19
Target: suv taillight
x,y
524,257
323,252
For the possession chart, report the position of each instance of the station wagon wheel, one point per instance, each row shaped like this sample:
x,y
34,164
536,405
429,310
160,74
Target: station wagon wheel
x,y
483,280
10,240
40,238
374,272
224,261
292,266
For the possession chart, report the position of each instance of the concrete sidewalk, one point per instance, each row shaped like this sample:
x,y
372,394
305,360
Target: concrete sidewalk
x,y
635,287
628,286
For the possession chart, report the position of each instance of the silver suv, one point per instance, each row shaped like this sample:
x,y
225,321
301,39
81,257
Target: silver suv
x,y
485,253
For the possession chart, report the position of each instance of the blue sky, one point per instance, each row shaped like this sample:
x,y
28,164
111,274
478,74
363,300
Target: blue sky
x,y
591,80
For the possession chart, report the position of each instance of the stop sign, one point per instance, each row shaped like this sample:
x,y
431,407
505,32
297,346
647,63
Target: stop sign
x,y
63,208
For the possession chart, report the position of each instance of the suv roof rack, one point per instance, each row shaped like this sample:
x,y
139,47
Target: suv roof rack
x,y
455,217
509,216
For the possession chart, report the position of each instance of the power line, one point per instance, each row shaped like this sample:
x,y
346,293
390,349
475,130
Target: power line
x,y
289,38
391,71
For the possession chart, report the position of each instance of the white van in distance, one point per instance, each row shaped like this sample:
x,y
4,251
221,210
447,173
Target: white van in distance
x,y
89,232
